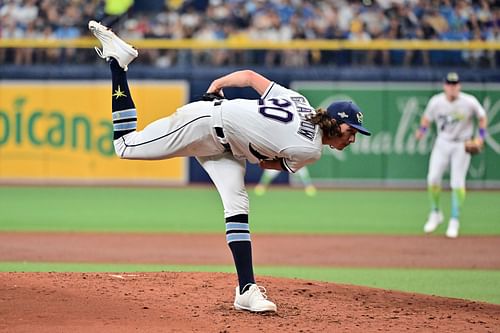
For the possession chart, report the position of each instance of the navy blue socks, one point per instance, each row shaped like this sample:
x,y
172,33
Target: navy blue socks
x,y
238,239
124,112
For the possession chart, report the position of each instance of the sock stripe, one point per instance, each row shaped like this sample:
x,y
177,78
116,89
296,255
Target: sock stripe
x,y
237,228
124,114
238,237
230,226
125,126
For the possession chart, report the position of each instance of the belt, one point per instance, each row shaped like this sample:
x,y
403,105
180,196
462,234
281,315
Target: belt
x,y
220,134
219,131
255,153
453,140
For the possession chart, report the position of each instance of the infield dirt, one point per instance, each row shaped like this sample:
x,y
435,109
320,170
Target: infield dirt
x,y
202,302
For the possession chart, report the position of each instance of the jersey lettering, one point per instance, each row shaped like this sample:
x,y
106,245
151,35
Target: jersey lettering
x,y
303,110
307,130
447,121
299,100
277,110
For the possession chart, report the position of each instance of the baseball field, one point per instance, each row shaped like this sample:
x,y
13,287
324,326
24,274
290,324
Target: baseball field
x,y
155,260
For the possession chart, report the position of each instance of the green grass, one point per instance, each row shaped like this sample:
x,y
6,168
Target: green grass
x,y
480,285
281,210
200,210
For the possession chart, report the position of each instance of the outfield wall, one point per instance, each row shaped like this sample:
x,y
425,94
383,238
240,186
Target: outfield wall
x,y
58,130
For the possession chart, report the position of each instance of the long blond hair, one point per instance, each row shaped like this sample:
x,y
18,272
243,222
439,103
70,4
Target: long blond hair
x,y
328,125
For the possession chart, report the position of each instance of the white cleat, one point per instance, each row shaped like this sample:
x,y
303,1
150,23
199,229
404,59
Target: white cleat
x,y
112,45
254,300
453,226
434,220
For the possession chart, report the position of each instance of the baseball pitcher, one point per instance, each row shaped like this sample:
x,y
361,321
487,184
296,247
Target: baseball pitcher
x,y
280,130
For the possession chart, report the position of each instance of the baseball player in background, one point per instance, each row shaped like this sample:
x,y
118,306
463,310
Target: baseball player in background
x,y
279,131
269,175
454,113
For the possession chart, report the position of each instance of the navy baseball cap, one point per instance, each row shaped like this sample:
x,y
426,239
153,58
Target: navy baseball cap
x,y
452,78
349,113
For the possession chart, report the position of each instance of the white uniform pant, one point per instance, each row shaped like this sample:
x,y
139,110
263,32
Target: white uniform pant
x,y
228,175
448,154
190,132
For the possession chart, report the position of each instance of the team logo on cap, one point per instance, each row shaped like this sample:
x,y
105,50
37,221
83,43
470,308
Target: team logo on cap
x,y
342,115
359,115
452,77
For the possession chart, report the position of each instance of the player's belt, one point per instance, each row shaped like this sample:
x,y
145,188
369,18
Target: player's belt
x,y
220,134
255,153
452,139
219,131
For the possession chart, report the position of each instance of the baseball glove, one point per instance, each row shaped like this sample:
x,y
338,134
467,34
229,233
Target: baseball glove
x,y
473,147
211,96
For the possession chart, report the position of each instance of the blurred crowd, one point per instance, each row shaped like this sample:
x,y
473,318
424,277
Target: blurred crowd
x,y
274,20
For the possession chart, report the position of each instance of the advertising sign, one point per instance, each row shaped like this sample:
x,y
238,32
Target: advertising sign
x,y
61,132
392,112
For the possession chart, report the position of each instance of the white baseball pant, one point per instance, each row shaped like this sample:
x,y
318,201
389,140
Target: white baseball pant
x,y
443,154
190,132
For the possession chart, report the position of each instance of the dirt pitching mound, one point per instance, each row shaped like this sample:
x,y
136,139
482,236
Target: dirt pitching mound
x,y
202,302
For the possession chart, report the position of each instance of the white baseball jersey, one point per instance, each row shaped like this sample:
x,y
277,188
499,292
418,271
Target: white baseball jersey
x,y
267,128
272,127
454,119
455,124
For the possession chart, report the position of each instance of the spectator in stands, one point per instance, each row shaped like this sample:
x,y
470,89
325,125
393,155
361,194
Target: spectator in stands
x,y
358,33
276,20
50,56
9,31
24,56
67,30
435,22
294,58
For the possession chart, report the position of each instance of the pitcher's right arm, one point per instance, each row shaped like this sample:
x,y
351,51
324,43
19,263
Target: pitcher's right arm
x,y
241,79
